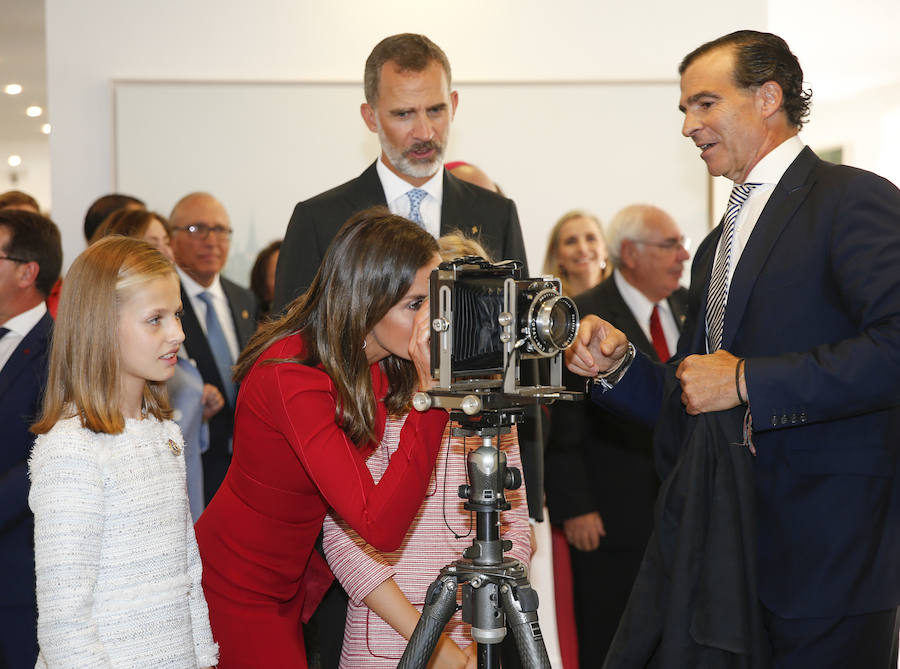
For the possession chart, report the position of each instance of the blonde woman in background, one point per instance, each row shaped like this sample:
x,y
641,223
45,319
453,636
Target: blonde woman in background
x,y
577,252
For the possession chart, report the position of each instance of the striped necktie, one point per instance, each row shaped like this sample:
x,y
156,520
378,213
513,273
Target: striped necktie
x,y
416,195
717,297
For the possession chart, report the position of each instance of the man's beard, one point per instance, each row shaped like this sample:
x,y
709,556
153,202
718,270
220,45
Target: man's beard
x,y
406,163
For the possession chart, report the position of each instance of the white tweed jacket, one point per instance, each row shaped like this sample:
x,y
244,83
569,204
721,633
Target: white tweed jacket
x,y
118,571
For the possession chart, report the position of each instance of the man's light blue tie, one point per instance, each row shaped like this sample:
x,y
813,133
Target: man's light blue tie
x,y
218,345
717,297
416,195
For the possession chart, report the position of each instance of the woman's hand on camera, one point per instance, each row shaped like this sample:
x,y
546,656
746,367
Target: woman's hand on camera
x,y
420,346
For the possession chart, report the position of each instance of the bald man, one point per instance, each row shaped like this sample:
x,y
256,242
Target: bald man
x,y
219,316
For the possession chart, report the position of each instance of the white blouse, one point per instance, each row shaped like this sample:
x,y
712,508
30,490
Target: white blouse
x,y
118,571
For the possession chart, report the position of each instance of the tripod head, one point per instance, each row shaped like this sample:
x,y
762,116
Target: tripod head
x,y
489,476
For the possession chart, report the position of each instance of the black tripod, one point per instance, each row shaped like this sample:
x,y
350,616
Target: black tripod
x,y
495,591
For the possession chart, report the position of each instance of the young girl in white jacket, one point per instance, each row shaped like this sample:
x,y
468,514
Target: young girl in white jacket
x,y
118,572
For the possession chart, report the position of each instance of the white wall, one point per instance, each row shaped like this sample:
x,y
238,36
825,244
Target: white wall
x,y
92,42
33,175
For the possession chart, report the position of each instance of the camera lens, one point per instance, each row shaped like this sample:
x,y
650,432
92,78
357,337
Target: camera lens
x,y
562,311
552,322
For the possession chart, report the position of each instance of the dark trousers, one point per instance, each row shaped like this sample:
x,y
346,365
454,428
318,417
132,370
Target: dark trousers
x,y
601,582
865,641
18,637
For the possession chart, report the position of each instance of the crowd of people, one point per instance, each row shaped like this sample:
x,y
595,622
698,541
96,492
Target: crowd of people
x,y
194,473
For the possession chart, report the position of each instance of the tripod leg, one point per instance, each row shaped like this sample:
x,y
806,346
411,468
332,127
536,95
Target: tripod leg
x,y
520,605
440,605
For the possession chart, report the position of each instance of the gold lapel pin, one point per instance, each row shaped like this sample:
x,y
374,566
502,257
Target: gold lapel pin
x,y
245,314
175,447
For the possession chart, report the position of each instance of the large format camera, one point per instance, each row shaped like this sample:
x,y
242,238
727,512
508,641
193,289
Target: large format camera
x,y
486,320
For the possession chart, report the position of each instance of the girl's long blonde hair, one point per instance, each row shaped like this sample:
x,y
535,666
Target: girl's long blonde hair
x,y
84,372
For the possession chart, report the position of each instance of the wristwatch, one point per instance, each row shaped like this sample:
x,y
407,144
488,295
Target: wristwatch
x,y
611,377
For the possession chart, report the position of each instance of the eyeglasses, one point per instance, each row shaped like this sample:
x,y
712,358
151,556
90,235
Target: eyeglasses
x,y
669,244
13,259
202,230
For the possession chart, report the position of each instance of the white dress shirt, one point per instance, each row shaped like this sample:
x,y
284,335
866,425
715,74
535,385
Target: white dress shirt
x,y
767,172
220,302
642,308
18,327
395,190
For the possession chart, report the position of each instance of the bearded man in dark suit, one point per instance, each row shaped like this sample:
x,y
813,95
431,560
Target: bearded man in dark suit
x,y
410,105
601,479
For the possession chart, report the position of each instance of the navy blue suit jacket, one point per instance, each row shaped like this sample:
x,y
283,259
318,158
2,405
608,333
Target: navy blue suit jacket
x,y
22,382
814,307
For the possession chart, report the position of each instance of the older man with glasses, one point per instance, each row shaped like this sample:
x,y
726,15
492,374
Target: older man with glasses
x,y
219,316
601,481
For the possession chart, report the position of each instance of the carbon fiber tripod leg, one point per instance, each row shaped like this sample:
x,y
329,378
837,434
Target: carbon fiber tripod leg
x,y
520,606
440,605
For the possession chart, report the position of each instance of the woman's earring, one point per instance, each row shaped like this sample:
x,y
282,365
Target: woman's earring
x,y
364,344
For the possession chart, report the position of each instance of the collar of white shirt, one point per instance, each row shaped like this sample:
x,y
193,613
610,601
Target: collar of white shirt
x,y
193,289
775,163
642,308
24,322
395,190
767,172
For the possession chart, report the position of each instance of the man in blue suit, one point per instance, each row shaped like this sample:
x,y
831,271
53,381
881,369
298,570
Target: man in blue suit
x,y
794,310
30,260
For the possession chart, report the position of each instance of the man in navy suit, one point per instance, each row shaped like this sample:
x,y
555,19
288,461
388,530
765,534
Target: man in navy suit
x,y
30,260
809,339
219,316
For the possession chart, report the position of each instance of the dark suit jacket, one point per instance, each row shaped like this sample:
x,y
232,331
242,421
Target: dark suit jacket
x,y
814,307
245,312
473,210
597,461
22,382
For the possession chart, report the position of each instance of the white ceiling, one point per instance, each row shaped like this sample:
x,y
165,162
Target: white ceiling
x,y
22,61
844,47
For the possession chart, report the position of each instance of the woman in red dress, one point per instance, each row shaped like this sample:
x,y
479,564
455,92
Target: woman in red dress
x,y
316,387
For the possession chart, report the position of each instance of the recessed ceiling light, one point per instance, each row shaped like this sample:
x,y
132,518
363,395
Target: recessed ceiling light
x,y
14,160
45,128
33,111
12,89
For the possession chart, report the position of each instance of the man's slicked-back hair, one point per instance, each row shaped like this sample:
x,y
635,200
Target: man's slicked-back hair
x,y
761,57
409,51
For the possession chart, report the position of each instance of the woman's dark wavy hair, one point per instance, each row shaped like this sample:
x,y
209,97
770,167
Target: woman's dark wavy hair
x,y
762,57
368,268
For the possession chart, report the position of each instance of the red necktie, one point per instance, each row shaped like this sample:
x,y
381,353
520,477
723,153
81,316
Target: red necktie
x,y
659,338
